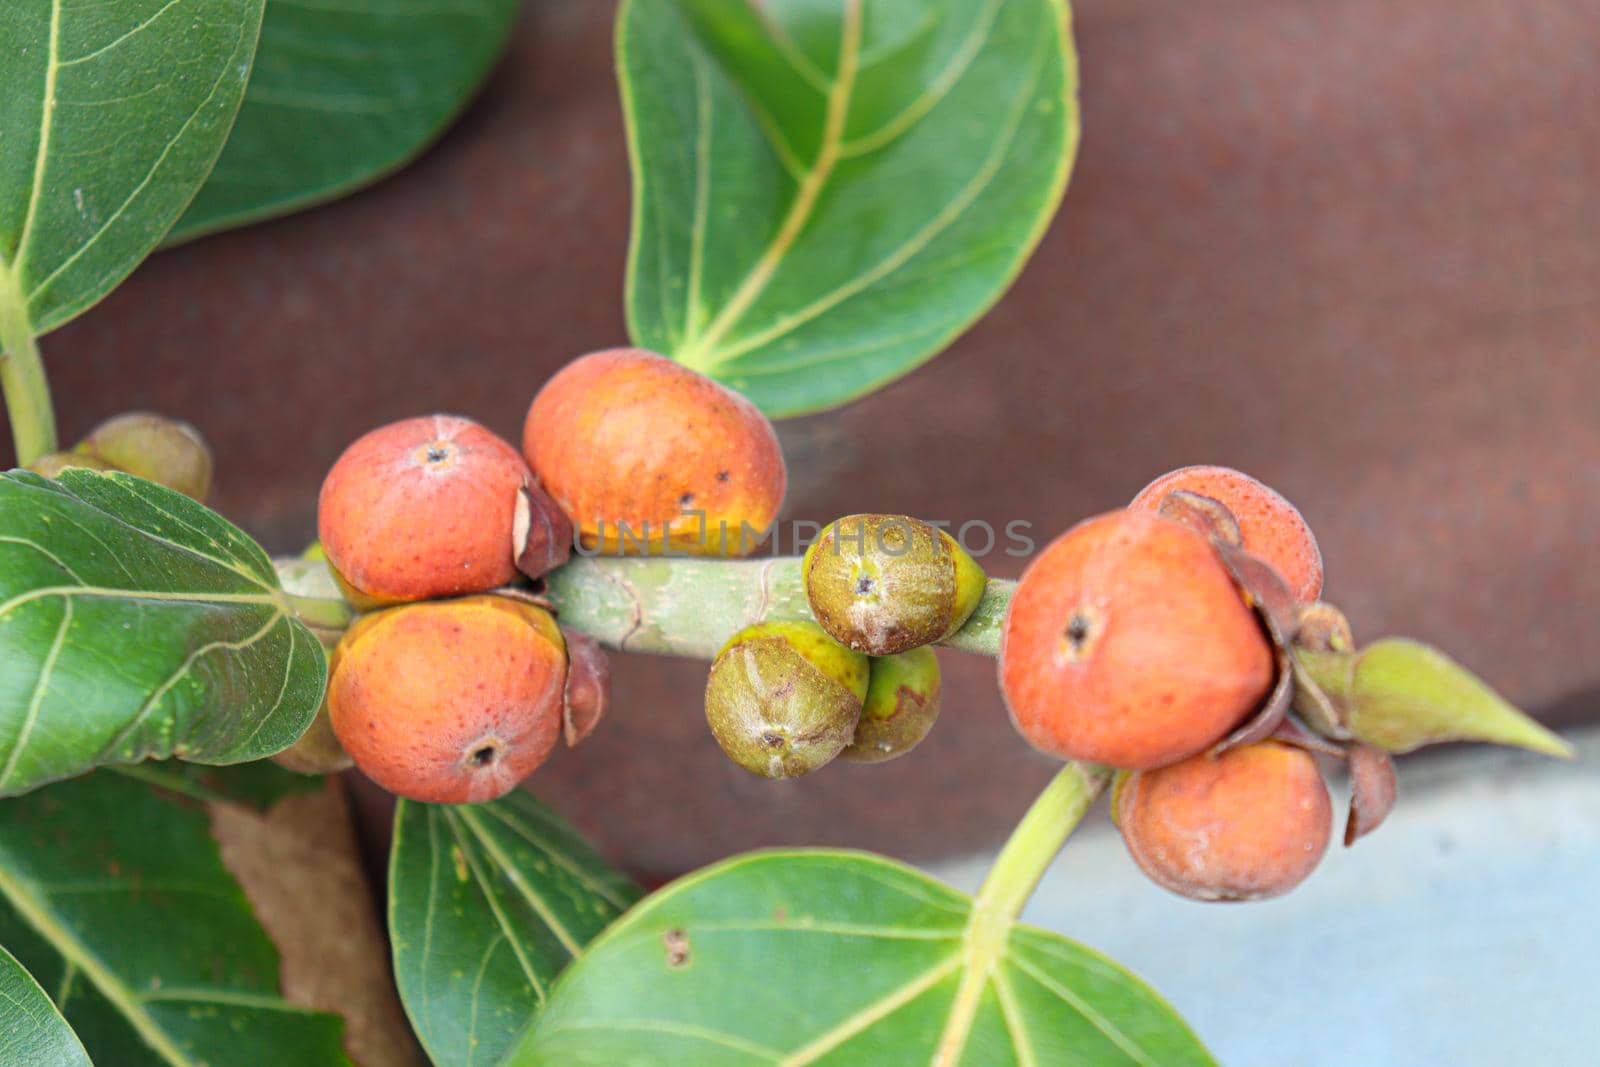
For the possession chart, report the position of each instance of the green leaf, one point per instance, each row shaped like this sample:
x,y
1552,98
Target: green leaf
x,y
32,1032
257,785
1399,695
343,93
487,904
814,956
111,115
114,896
827,194
136,624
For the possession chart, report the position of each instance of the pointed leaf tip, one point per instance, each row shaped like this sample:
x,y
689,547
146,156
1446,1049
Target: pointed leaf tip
x,y
1404,694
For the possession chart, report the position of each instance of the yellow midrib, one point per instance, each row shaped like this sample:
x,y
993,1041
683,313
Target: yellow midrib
x,y
810,190
46,122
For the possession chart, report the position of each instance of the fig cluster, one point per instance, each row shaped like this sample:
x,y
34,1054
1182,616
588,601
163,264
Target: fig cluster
x,y
1156,639
457,682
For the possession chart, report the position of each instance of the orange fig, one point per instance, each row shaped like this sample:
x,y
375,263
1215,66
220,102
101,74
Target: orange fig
x,y
1269,526
452,701
1249,824
646,455
1127,643
422,508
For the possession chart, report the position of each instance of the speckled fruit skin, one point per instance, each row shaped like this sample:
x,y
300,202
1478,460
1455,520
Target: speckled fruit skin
x,y
1249,824
1128,644
1272,527
626,436
422,508
449,702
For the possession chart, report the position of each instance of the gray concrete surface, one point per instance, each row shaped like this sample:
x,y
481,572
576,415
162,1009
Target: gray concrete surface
x,y
1464,933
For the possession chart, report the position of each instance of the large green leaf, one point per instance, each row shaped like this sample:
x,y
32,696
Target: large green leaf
x,y
32,1032
342,94
841,958
111,115
136,623
257,785
826,194
487,904
114,896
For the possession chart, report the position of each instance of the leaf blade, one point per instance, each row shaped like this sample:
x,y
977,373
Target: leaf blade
x,y
136,623
34,1031
494,898
343,95
94,920
690,973
813,277
161,80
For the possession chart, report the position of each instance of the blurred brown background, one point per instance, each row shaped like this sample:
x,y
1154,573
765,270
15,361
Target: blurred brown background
x,y
1352,248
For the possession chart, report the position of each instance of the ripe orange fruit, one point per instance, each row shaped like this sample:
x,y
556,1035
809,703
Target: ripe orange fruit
x,y
1271,527
422,508
449,702
625,436
1251,823
1127,643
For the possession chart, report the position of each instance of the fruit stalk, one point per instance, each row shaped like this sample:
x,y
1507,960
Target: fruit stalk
x,y
675,606
33,419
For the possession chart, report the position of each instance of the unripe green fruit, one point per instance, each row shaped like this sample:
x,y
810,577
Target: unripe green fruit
x,y
901,707
155,448
784,699
53,463
885,584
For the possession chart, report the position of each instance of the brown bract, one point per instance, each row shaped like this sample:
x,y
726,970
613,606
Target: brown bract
x,y
625,436
422,508
450,702
1127,643
1249,824
1270,526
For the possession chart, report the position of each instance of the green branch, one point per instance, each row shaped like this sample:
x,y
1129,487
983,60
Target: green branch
x,y
33,419
677,606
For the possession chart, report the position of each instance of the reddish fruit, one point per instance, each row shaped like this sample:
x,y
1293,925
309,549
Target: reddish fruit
x,y
422,508
1249,824
1127,643
627,438
449,702
1269,525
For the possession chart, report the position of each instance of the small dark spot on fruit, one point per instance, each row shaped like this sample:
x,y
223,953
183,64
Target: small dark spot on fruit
x,y
863,586
484,756
723,476
772,740
686,500
437,453
1077,631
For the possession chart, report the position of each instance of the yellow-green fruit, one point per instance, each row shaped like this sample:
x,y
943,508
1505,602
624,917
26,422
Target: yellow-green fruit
x,y
784,699
155,448
53,463
885,584
901,707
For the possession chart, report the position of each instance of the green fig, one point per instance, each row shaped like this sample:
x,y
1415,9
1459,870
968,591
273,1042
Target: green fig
x,y
885,584
53,463
155,448
901,707
783,698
